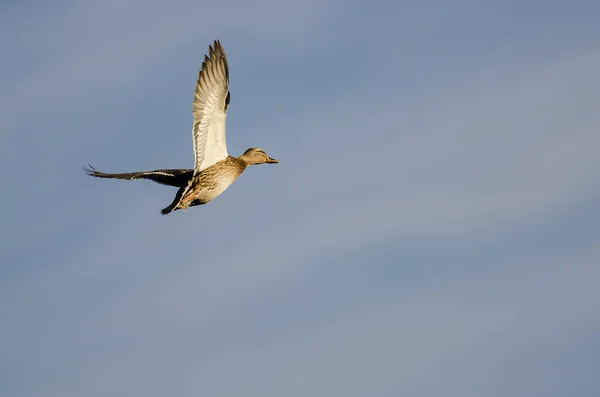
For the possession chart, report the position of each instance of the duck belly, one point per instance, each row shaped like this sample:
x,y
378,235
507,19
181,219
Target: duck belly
x,y
215,189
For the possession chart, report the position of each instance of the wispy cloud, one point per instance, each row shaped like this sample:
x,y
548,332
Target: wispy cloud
x,y
452,339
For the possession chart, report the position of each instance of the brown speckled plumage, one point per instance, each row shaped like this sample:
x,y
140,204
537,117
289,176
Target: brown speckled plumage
x,y
214,170
207,185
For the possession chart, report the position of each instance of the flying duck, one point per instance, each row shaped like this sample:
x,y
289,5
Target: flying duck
x,y
214,169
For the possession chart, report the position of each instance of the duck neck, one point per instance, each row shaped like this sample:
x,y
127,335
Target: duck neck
x,y
241,162
245,160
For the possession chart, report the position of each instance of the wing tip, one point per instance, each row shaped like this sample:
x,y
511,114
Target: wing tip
x,y
90,170
217,51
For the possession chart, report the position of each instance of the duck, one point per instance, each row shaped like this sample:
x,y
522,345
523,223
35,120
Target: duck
x,y
214,169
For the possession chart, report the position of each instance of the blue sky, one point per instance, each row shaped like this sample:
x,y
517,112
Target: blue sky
x,y
431,229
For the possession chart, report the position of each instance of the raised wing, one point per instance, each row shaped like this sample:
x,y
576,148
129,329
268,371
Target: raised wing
x,y
211,101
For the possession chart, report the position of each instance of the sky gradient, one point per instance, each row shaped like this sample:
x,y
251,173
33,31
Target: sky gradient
x,y
431,229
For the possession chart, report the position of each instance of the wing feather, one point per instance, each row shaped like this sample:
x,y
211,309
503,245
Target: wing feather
x,y
169,177
211,101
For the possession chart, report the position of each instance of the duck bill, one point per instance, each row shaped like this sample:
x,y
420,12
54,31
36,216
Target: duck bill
x,y
272,161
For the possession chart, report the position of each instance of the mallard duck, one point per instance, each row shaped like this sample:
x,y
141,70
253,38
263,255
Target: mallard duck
x,y
214,169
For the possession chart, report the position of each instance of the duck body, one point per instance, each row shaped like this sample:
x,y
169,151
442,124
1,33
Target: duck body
x,y
208,184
